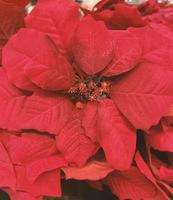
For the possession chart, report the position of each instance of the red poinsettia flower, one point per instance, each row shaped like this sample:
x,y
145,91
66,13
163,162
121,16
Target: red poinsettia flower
x,y
92,94
11,19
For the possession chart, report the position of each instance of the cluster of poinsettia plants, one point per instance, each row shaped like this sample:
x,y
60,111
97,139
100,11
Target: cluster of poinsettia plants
x,y
86,95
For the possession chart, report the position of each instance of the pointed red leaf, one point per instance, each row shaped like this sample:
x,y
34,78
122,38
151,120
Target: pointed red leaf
x,y
89,120
131,184
30,59
29,147
116,135
7,174
128,52
45,113
40,112
93,47
38,167
73,143
48,184
56,18
144,104
93,170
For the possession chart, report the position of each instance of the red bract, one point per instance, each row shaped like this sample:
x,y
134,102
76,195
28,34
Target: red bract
x,y
117,15
11,19
60,17
101,72
93,170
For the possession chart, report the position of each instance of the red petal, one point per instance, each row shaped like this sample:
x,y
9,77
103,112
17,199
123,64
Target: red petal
x,y
46,113
48,184
128,52
161,137
93,48
7,175
89,120
56,18
73,143
36,168
40,112
131,184
93,170
30,57
11,19
144,104
116,136
29,147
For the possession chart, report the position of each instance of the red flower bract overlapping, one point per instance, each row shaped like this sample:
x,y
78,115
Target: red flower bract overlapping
x,y
71,87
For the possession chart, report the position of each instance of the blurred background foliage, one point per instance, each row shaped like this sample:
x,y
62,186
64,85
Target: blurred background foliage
x,y
80,190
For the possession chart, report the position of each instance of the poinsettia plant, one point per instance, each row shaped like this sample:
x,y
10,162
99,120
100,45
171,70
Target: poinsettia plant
x,y
87,95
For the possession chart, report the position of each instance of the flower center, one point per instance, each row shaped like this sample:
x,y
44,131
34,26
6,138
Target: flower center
x,y
91,89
